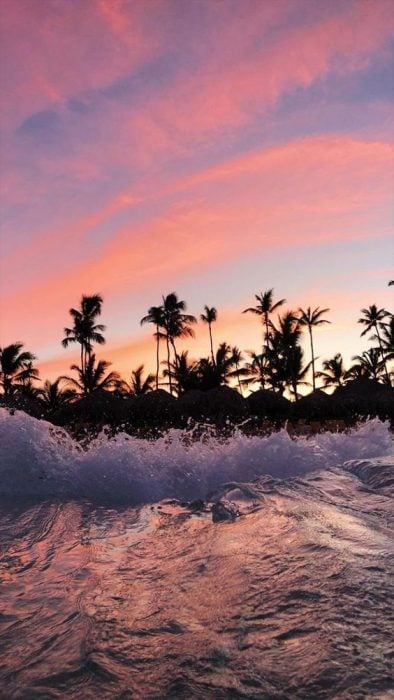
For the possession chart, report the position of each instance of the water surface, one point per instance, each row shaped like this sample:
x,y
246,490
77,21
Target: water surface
x,y
291,600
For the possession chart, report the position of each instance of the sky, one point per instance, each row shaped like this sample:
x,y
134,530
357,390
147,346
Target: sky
x,y
215,148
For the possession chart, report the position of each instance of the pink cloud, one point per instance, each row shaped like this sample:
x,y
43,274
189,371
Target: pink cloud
x,y
227,94
310,191
306,191
315,178
56,52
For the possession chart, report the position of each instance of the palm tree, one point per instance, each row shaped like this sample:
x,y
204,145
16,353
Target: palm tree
x,y
373,318
257,370
16,367
334,371
264,308
53,396
368,365
294,369
287,331
176,324
282,339
225,360
155,316
354,373
138,385
93,377
210,317
27,388
185,375
387,339
210,374
312,318
85,331
26,376
238,372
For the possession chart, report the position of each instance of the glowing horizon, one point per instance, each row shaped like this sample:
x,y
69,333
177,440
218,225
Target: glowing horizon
x,y
212,149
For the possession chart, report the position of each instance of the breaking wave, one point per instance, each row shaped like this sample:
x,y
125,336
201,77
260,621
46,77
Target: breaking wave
x,y
41,461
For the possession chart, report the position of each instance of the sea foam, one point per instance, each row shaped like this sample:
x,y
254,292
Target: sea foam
x,y
39,460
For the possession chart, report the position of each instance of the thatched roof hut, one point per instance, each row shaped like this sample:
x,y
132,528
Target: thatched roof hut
x,y
317,406
366,397
269,405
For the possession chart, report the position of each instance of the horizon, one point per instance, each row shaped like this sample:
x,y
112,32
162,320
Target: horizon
x,y
215,150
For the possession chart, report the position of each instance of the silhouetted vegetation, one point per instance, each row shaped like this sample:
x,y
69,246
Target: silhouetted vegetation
x,y
17,369
311,318
138,385
211,387
84,331
209,317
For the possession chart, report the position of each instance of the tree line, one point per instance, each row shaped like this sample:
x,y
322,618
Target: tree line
x,y
280,364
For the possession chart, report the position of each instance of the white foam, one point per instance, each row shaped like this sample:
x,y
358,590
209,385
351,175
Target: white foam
x,y
39,460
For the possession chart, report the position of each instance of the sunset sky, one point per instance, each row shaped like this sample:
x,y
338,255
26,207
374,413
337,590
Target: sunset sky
x,y
216,148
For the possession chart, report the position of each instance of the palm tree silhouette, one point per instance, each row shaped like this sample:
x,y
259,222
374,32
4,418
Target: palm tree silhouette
x,y
84,330
25,379
288,329
210,317
264,308
282,339
16,367
387,339
373,318
368,364
295,371
206,374
53,396
334,371
93,376
176,324
257,370
225,360
186,376
138,385
312,318
238,372
155,316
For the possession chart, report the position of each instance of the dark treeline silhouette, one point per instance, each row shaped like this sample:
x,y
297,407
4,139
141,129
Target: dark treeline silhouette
x,y
276,372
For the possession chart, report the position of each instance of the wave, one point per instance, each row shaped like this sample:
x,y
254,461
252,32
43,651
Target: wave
x,y
41,461
377,473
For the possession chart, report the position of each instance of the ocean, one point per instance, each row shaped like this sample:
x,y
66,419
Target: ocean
x,y
115,585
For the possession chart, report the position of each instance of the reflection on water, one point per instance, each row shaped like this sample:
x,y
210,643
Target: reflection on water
x,y
291,600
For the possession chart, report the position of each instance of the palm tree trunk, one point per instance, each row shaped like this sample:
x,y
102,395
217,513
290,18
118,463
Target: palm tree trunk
x,y
382,353
266,332
7,385
261,370
176,363
313,359
168,362
85,363
210,337
157,357
239,381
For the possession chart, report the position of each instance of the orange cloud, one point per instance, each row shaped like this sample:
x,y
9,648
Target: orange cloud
x,y
124,358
